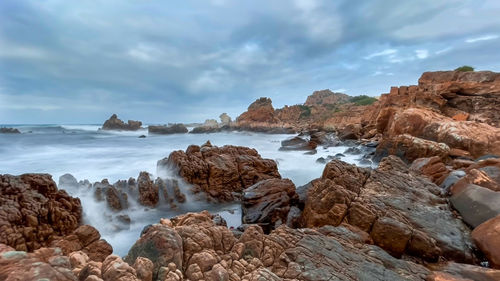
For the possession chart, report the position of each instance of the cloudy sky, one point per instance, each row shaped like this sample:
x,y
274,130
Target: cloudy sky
x,y
168,61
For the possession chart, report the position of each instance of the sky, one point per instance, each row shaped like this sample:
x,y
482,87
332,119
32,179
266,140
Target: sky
x,y
77,62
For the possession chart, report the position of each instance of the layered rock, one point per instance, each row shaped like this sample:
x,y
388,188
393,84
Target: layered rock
x,y
221,172
402,213
410,148
167,130
113,123
33,211
268,202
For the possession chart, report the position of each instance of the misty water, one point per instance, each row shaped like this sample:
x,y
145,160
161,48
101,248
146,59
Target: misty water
x,y
87,153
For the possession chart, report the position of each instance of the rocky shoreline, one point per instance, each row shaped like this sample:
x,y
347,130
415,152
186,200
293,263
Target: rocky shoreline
x,y
428,211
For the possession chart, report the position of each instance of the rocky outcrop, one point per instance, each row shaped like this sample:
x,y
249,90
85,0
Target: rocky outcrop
x,y
86,239
201,249
148,191
268,202
433,168
4,130
452,271
410,148
33,211
113,123
168,130
225,119
402,213
324,97
220,172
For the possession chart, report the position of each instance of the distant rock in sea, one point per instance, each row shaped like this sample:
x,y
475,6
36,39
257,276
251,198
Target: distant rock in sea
x,y
167,130
9,131
113,123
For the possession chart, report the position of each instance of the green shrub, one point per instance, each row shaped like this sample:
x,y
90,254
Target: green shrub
x,y
306,111
362,100
465,68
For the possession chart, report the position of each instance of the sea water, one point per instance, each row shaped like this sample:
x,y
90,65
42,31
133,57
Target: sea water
x,y
89,153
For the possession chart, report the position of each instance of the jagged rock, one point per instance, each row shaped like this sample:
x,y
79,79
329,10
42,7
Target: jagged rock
x,y
433,168
324,97
392,205
167,130
221,172
86,239
33,211
113,123
4,130
212,252
148,191
298,143
268,202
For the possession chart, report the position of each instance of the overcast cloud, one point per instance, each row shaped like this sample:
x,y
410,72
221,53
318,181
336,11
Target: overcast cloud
x,y
168,61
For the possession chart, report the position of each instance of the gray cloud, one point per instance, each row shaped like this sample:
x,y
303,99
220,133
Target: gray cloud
x,y
79,61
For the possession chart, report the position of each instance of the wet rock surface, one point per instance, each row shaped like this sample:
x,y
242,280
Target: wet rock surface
x,y
4,130
221,172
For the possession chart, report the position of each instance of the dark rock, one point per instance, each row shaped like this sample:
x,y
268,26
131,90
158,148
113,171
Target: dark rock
x,y
113,123
142,136
167,130
4,130
475,204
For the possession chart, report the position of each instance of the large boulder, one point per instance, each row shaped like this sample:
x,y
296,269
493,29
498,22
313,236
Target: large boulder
x,y
487,238
113,123
410,148
221,172
167,130
432,167
268,202
324,97
33,211
475,204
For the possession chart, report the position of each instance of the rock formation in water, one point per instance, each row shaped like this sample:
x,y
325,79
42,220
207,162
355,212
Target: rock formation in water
x,y
4,130
167,130
113,123
221,172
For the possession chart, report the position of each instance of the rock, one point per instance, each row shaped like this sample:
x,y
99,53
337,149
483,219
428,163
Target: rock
x,y
433,168
68,180
485,173
487,238
475,204
350,132
113,123
4,130
33,211
148,191
142,136
167,130
221,172
463,272
324,97
114,268
225,119
43,264
144,269
297,143
451,179
160,244
259,111
268,202
410,148
388,198
86,239
116,199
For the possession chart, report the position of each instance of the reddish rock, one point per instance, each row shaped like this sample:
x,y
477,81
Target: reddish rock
x,y
487,238
148,191
452,271
221,172
433,168
410,148
33,211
